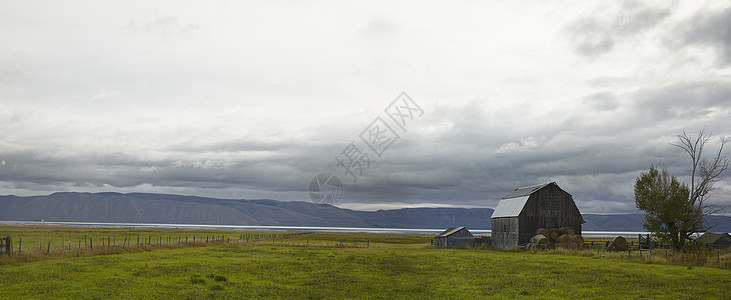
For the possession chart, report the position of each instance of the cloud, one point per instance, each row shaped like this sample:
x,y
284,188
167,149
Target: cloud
x,y
599,32
163,27
710,29
261,97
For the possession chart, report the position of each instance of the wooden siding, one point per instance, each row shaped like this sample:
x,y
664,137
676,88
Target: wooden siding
x,y
549,207
505,232
460,237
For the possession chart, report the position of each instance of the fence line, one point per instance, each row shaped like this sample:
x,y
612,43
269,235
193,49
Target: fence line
x,y
130,241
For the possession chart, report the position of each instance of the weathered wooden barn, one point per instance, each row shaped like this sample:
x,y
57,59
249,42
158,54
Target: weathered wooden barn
x,y
521,213
453,237
716,240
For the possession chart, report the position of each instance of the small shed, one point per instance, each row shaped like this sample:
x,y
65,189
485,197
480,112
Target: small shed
x,y
716,240
453,237
521,213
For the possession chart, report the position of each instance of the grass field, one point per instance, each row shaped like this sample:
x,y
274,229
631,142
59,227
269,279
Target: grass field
x,y
339,265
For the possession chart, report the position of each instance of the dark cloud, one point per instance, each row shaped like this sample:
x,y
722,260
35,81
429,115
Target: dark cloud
x,y
461,155
690,101
710,29
599,32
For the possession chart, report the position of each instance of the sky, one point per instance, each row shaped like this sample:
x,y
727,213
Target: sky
x,y
407,103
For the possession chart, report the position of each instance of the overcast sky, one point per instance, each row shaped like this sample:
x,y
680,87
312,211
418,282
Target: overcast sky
x,y
251,100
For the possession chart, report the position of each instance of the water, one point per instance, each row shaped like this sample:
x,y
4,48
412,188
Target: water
x,y
294,228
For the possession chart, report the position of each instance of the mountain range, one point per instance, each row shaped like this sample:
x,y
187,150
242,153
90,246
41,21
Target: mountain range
x,y
177,209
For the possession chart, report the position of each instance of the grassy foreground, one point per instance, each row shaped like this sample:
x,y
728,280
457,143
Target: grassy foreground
x,y
393,266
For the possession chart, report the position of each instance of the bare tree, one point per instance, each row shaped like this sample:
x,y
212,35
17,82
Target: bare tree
x,y
704,174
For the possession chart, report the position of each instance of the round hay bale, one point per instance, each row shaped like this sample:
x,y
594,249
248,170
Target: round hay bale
x,y
554,234
567,230
578,240
540,239
543,231
565,238
618,244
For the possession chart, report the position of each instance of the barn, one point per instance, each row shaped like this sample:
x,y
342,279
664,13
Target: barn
x,y
716,240
453,237
521,213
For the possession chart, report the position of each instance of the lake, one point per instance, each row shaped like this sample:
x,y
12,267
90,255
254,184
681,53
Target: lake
x,y
292,228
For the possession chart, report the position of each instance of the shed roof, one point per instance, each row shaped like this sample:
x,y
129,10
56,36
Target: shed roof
x,y
510,207
450,231
712,238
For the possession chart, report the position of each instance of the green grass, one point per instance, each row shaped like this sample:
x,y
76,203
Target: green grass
x,y
393,266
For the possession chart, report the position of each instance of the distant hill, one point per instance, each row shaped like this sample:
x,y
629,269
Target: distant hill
x,y
176,209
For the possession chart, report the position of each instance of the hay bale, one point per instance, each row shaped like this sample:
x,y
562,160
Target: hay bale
x,y
618,244
567,230
539,239
554,234
577,239
565,238
543,231
568,246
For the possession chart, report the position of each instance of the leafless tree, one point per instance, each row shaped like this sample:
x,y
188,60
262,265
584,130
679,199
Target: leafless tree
x,y
704,174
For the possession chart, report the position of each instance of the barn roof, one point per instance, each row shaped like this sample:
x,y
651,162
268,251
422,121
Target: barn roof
x,y
527,190
510,207
512,204
450,231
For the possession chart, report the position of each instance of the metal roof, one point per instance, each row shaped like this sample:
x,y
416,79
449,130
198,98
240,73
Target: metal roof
x,y
510,207
526,191
450,231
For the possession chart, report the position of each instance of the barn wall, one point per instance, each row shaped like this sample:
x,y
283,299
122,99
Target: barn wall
x,y
549,207
723,241
505,232
457,241
461,237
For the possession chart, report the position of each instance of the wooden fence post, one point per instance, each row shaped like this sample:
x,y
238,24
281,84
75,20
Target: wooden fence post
x,y
40,248
20,243
48,250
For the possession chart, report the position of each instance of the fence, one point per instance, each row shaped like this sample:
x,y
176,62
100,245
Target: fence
x,y
130,241
6,245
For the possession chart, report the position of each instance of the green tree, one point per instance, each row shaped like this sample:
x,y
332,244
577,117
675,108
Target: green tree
x,y
669,212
